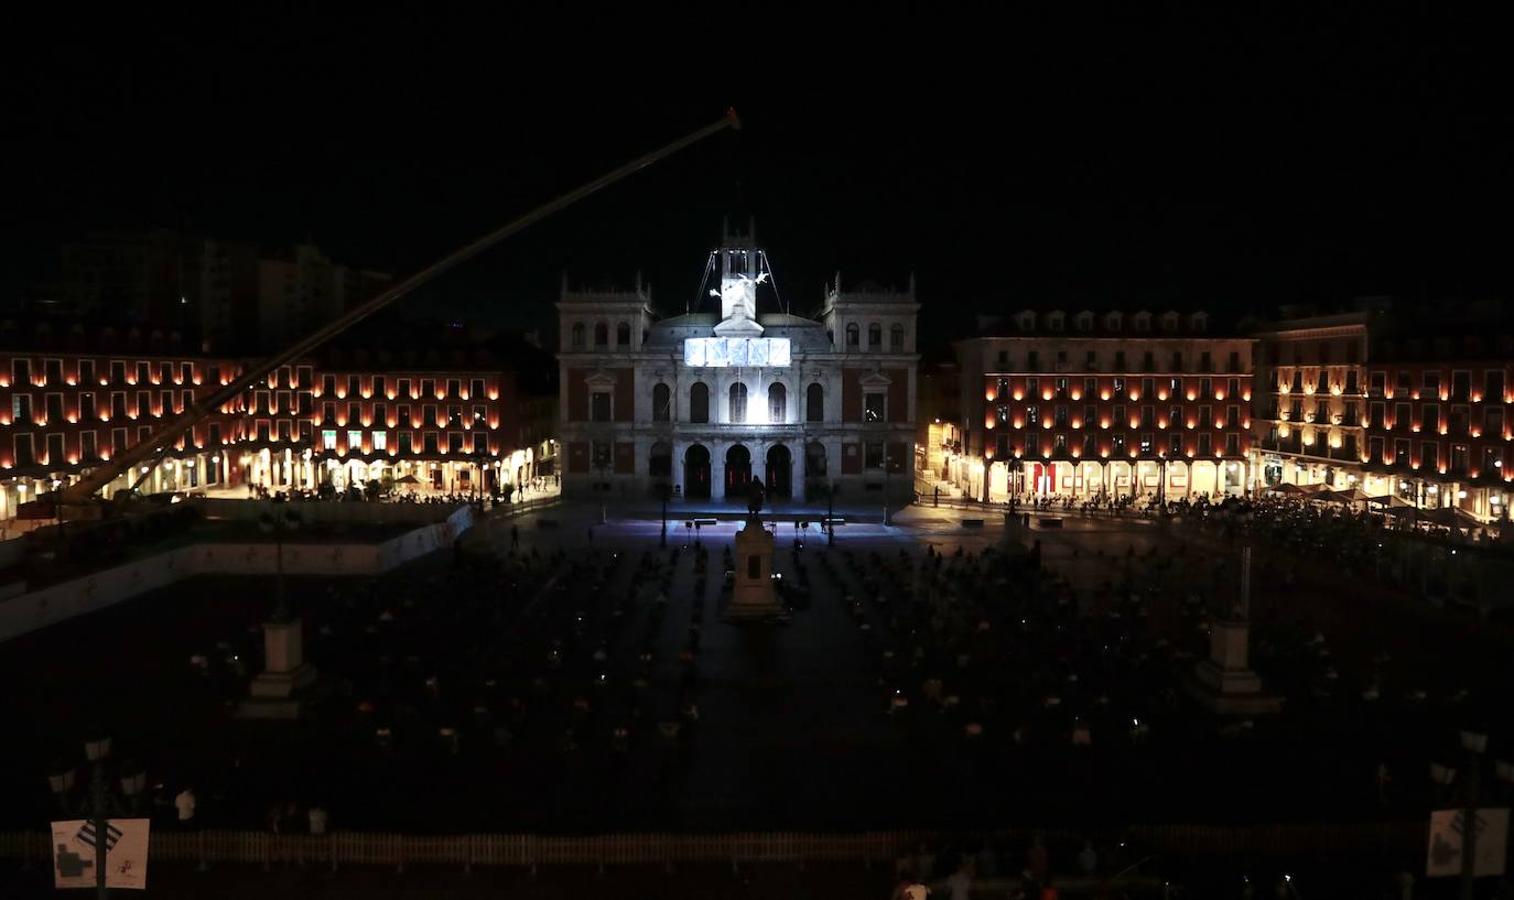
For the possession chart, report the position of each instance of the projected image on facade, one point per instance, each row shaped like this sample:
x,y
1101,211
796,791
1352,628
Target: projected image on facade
x,y
719,352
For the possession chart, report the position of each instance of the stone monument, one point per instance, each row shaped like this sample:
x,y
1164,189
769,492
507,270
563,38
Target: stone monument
x,y
272,694
752,595
1224,682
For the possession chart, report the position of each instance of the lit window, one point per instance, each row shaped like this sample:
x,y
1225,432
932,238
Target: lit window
x,y
354,440
380,440
328,439
873,407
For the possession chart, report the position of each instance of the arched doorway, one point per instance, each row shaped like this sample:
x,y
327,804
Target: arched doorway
x,y
738,471
696,472
780,472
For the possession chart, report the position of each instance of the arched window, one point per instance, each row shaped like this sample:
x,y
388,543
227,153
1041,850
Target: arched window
x,y
601,335
578,335
623,335
778,401
660,398
738,404
814,403
875,336
853,336
699,402
896,338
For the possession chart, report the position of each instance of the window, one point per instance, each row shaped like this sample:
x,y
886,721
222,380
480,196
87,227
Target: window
x,y
1033,360
25,452
814,403
403,391
1378,384
1175,443
144,373
875,336
1090,361
1374,449
578,336
1458,459
1148,388
454,442
1148,445
699,402
853,336
117,372
1493,423
1321,411
896,338
1032,415
1090,416
355,441
1032,388
1233,416
1232,445
1177,360
1119,417
407,443
1493,393
1003,358
1235,361
737,404
21,372
602,453
1206,443
1461,385
1059,444
1206,387
1061,387
601,335
778,400
1400,452
623,335
1060,416
599,406
873,406
1175,417
328,439
872,457
480,442
1431,385
87,450
661,396
380,440
1119,360
428,415
1206,419
1429,420
1090,388
21,409
86,407
454,387
1206,364
1429,455
1148,416
144,403
1117,442
428,388
477,390
1492,461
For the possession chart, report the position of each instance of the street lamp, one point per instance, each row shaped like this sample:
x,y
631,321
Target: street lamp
x,y
100,802
280,524
1475,746
830,512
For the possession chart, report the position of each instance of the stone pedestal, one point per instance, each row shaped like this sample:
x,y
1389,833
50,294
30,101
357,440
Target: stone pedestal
x,y
752,595
1225,682
272,694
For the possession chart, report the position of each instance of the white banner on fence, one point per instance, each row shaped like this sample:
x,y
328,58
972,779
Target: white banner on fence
x,y
1491,828
125,853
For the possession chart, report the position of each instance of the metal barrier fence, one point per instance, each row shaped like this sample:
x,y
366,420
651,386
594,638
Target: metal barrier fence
x,y
530,851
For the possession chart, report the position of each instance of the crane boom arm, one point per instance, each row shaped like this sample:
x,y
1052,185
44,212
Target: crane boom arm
x,y
80,492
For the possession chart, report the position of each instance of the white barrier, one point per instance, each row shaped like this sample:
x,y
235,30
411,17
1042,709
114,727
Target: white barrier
x,y
56,603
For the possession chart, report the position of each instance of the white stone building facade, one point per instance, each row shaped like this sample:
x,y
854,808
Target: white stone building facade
x,y
698,404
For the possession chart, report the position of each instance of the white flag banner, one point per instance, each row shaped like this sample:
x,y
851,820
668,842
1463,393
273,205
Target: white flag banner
x,y
125,853
1491,828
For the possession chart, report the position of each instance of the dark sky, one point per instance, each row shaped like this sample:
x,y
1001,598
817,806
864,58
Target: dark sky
x,y
1188,157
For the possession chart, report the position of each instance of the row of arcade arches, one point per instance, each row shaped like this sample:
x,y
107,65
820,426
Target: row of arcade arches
x,y
777,469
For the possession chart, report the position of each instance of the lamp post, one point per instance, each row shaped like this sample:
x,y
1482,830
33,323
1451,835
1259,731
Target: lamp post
x,y
663,490
280,524
100,802
830,513
1475,745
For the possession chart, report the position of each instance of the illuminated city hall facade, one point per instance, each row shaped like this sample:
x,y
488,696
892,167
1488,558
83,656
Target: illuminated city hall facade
x,y
699,404
1114,404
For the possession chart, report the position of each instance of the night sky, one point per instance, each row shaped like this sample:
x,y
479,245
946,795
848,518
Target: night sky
x,y
1186,159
